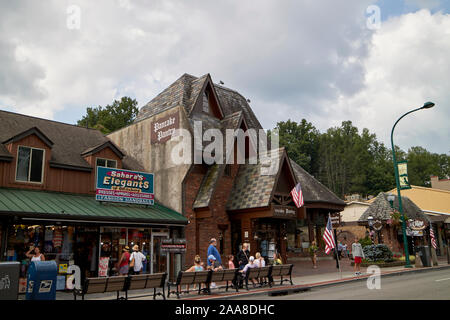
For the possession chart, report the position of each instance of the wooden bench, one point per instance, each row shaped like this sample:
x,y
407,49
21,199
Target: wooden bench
x,y
101,285
281,271
257,273
188,278
225,275
146,281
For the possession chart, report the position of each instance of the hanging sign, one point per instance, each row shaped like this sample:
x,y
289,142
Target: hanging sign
x,y
416,225
377,225
118,185
335,219
284,211
173,245
402,167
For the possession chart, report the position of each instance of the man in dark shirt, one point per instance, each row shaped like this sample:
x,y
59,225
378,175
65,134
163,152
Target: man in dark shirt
x,y
243,256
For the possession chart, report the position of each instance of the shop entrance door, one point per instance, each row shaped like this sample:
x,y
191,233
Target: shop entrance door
x,y
160,260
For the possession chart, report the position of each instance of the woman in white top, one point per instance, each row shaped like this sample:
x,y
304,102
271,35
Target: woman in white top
x,y
37,255
259,261
138,259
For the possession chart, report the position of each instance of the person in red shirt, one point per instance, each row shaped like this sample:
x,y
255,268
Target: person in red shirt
x,y
123,262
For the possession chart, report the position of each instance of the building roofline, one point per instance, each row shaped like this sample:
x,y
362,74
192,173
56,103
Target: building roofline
x,y
33,117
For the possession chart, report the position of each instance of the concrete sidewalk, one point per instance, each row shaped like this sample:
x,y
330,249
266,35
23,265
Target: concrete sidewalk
x,y
317,278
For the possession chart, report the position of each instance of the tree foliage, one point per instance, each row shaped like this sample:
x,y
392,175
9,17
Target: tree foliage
x,y
112,117
349,161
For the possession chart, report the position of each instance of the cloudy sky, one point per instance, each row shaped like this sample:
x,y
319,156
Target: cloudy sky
x,y
327,61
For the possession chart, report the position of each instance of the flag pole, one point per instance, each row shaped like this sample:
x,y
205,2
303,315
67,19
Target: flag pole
x,y
336,251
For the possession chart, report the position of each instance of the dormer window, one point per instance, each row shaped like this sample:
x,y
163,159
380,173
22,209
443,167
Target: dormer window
x,y
30,164
106,163
205,102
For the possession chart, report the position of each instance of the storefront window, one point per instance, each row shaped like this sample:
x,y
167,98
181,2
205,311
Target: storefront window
x,y
142,238
96,250
54,242
297,237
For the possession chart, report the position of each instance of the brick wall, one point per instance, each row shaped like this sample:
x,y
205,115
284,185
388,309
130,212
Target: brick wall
x,y
205,222
192,185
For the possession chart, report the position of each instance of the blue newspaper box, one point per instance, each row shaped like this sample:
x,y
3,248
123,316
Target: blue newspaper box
x,y
41,280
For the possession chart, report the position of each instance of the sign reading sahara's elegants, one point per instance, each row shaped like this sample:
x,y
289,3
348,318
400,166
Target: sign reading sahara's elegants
x,y
118,185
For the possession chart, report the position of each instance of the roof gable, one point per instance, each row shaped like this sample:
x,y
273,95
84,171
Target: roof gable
x,y
255,184
68,141
101,146
185,92
199,87
381,209
26,133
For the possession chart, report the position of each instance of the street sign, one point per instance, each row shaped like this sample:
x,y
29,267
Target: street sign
x,y
335,219
173,245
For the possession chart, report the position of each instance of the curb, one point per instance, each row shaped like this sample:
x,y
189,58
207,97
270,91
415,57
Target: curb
x,y
307,287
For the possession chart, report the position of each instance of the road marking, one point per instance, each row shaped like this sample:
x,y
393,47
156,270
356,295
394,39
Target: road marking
x,y
442,279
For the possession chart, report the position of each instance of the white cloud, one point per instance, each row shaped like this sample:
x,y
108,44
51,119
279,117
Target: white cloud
x,y
302,59
407,65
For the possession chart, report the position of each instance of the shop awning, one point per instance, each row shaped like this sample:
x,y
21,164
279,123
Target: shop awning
x,y
61,206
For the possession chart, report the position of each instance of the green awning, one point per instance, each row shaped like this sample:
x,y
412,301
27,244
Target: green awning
x,y
52,205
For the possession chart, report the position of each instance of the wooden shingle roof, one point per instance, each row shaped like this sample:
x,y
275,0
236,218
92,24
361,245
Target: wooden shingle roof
x,y
381,209
68,142
313,190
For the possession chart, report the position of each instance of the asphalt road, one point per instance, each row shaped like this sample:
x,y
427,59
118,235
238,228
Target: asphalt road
x,y
432,285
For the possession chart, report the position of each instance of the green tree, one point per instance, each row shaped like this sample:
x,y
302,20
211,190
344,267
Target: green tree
x,y
301,141
422,164
347,161
112,117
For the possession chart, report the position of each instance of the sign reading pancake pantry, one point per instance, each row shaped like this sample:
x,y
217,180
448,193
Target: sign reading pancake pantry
x,y
164,128
118,185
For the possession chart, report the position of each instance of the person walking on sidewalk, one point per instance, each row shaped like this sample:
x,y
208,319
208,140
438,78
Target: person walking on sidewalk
x,y
122,265
358,255
136,260
313,253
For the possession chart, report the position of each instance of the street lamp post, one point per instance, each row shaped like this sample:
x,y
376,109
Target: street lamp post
x,y
427,105
370,223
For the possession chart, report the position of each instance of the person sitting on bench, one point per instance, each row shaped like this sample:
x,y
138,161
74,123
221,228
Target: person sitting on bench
x,y
214,266
251,264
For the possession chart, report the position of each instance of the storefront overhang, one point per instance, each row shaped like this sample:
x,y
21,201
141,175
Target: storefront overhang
x,y
437,216
51,206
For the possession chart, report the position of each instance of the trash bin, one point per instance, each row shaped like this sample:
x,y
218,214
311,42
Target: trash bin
x,y
41,280
9,280
425,255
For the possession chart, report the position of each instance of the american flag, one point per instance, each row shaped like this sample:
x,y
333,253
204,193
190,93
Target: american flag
x,y
433,239
297,195
329,237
